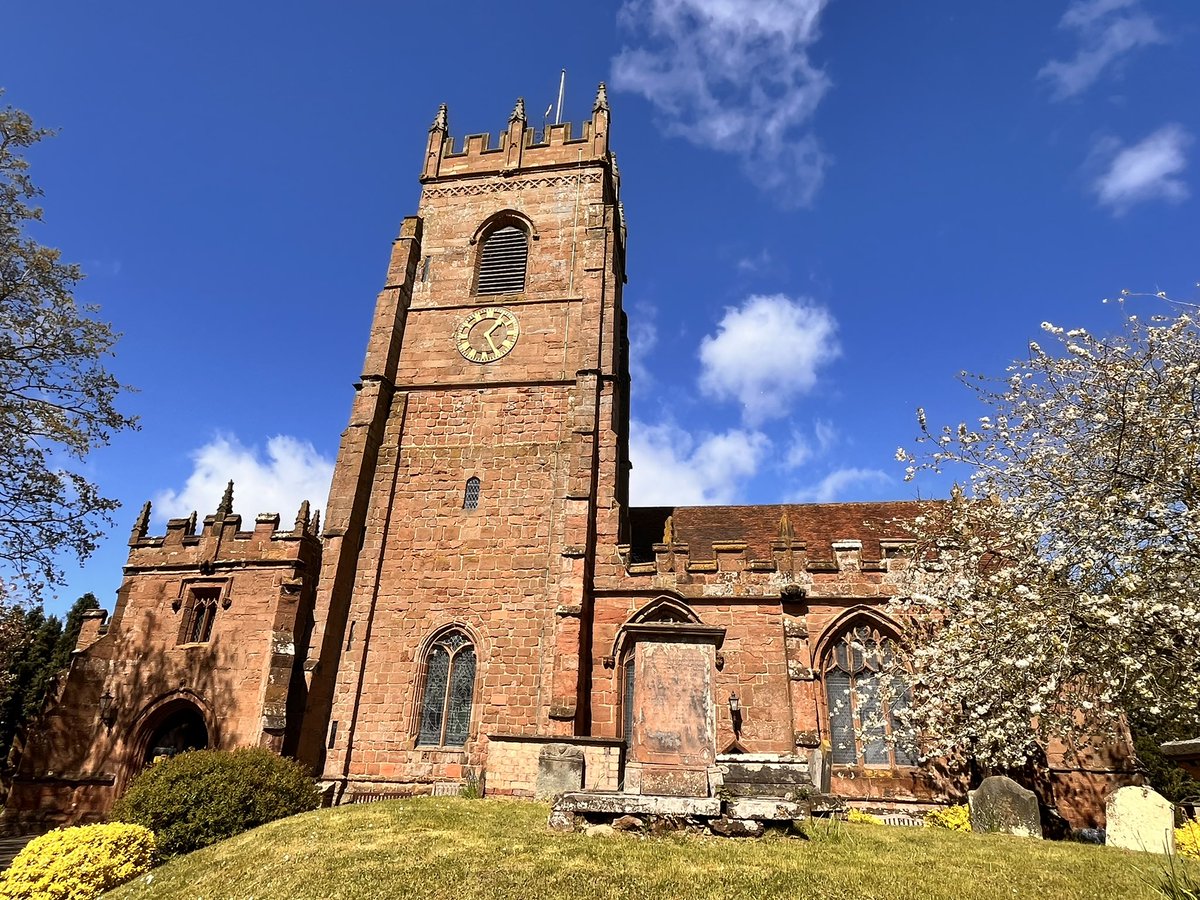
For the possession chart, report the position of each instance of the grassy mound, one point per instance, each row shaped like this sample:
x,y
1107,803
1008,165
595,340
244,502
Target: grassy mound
x,y
463,849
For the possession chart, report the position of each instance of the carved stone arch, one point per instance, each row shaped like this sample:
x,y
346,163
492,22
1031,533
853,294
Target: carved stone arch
x,y
665,610
445,628
847,619
504,217
157,714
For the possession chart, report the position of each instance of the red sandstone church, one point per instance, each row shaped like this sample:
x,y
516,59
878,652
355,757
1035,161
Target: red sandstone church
x,y
482,604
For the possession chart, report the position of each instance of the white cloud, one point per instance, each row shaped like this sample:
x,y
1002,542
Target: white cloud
x,y
766,353
827,434
802,448
842,484
643,337
290,472
733,75
757,263
1108,30
672,468
1149,170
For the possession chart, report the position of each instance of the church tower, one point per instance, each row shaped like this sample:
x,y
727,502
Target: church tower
x,y
486,450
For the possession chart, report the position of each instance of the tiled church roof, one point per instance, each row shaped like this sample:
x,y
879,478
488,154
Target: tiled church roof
x,y
816,524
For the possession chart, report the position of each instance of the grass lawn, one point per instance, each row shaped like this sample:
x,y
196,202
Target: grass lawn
x,y
463,849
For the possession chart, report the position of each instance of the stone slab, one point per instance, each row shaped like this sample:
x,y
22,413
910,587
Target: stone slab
x,y
636,804
1139,818
791,792
766,810
774,772
674,720
674,782
1000,805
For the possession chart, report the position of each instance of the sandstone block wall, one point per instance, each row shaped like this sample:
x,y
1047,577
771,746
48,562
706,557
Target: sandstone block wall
x,y
512,573
245,682
512,764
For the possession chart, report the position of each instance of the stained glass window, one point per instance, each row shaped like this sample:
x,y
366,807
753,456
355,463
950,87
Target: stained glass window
x,y
861,719
471,495
449,691
627,701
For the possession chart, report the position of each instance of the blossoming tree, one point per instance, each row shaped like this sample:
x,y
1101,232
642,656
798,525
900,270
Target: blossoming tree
x,y
1059,588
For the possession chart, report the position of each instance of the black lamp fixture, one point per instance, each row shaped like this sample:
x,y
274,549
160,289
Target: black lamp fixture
x,y
735,712
108,712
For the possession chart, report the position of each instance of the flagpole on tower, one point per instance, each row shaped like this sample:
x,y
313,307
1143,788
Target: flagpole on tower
x,y
562,85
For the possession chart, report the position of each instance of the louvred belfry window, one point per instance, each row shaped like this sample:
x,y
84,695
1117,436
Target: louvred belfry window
x,y
449,691
853,689
502,260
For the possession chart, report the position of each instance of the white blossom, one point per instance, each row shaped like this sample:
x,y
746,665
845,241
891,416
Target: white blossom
x,y
1060,586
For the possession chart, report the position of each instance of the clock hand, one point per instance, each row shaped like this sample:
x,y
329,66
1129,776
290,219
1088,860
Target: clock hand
x,y
487,336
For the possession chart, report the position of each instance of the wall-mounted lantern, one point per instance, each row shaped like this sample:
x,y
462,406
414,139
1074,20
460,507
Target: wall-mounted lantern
x,y
735,712
108,712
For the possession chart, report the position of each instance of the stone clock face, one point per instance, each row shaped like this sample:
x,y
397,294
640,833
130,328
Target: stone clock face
x,y
486,334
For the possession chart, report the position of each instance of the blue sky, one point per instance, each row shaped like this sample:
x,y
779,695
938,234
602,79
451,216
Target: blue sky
x,y
833,208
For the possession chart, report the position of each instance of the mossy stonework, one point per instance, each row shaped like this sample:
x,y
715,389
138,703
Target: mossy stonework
x,y
481,603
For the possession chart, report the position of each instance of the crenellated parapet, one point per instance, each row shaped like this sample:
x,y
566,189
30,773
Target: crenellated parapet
x,y
520,147
219,538
768,550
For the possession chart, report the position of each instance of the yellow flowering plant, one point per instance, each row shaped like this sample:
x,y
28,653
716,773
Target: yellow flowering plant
x,y
953,818
79,863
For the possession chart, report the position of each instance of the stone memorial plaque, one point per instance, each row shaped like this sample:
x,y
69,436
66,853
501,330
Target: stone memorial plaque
x,y
674,719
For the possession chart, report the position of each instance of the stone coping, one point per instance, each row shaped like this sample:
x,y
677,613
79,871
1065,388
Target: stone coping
x,y
557,739
761,758
1189,749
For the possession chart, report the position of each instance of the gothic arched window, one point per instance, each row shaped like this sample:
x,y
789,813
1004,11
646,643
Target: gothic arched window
x,y
862,715
200,615
471,494
502,260
448,691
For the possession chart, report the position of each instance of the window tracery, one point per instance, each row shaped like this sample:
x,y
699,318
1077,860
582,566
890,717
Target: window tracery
x,y
862,714
449,690
200,616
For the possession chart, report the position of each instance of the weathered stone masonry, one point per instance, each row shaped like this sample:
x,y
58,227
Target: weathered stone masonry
x,y
602,647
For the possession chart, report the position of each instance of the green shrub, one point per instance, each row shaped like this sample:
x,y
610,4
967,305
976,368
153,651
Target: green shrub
x,y
78,863
198,798
953,818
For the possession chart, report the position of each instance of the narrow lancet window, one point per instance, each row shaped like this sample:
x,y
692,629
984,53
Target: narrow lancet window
x,y
471,494
201,614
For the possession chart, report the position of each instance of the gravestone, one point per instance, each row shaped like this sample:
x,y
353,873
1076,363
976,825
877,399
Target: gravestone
x,y
560,769
1140,818
1001,805
674,737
